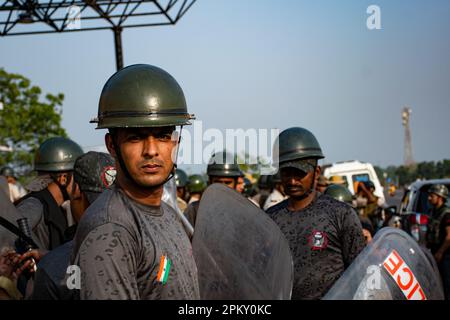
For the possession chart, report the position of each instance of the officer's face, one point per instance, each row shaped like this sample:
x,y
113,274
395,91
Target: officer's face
x,y
297,182
240,185
181,192
228,181
433,199
78,203
146,152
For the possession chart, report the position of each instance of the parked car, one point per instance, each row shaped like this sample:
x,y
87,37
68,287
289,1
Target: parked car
x,y
416,209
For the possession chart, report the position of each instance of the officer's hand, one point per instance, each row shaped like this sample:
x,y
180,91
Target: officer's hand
x,y
26,260
8,264
37,254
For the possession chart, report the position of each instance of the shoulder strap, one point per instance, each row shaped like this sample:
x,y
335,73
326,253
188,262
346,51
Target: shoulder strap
x,y
53,217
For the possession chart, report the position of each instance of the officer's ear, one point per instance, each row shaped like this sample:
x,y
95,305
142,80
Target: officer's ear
x,y
318,171
109,142
75,193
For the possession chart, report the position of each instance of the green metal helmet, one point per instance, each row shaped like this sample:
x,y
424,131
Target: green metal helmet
x,y
181,178
7,172
141,95
296,143
223,164
439,189
57,154
340,193
196,183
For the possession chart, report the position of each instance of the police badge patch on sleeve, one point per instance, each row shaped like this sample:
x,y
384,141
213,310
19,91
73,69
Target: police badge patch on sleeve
x,y
318,240
108,176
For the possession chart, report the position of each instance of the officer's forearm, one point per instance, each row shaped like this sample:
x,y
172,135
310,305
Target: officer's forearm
x,y
445,245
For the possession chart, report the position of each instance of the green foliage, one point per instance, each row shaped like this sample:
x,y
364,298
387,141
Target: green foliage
x,y
251,165
403,175
26,120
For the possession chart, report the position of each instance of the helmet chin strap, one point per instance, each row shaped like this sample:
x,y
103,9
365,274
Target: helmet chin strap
x,y
127,173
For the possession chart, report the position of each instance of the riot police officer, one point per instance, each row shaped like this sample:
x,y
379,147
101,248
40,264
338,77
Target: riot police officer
x,y
222,168
181,180
16,191
130,244
277,195
438,231
195,186
324,234
341,193
54,161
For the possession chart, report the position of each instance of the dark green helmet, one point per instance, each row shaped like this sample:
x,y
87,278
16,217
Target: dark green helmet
x,y
57,154
196,184
7,172
340,193
223,164
439,189
181,178
141,95
296,143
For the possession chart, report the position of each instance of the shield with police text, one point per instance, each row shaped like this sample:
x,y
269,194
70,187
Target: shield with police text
x,y
392,267
239,251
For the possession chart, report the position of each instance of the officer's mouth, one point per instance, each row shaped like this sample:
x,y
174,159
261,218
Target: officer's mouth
x,y
292,190
151,168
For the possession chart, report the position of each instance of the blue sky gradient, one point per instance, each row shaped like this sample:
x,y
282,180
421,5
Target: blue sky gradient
x,y
274,64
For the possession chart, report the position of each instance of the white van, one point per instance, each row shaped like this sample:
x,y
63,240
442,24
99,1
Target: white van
x,y
354,171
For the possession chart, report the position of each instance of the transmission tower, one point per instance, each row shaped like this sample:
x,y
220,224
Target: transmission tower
x,y
408,157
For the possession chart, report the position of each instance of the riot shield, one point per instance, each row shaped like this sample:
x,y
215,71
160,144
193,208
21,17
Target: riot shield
x,y
239,251
392,267
170,197
10,213
4,186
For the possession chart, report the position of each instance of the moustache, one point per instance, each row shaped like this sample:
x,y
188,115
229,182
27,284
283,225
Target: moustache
x,y
295,186
152,163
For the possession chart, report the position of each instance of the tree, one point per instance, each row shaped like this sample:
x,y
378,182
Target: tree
x,y
252,165
26,120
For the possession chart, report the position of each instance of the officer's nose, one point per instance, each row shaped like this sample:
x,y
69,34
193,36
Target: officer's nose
x,y
150,147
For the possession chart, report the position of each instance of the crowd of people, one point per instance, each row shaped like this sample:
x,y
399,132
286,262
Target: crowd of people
x,y
104,214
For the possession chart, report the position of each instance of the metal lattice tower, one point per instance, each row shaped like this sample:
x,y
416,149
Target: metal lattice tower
x,y
23,17
408,157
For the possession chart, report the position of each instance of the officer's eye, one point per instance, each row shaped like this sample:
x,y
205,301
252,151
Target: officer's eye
x,y
133,138
163,136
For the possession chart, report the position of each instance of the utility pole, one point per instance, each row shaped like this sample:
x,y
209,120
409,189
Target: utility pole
x,y
407,155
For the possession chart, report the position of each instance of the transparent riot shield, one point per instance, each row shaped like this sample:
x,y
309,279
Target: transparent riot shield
x,y
240,252
170,197
392,267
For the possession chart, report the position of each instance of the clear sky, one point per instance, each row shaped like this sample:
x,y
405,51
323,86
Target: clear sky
x,y
274,64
